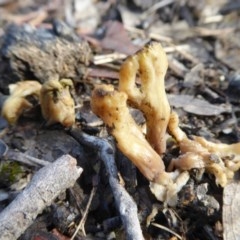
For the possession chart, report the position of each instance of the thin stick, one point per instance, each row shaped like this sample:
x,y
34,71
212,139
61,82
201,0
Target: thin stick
x,y
107,58
185,54
24,158
157,6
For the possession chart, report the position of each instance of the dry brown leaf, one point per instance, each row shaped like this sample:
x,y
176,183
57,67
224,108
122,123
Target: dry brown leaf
x,y
117,39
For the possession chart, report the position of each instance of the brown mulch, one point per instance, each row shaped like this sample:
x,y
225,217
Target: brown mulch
x,y
87,42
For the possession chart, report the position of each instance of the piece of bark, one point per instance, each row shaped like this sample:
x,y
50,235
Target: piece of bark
x,y
125,204
44,187
41,54
231,211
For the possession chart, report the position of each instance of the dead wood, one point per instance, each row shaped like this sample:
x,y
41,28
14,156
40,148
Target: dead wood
x,y
125,204
26,51
231,212
45,186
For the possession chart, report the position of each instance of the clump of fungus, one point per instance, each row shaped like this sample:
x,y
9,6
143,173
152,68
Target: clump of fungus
x,y
56,102
16,104
145,151
111,106
219,159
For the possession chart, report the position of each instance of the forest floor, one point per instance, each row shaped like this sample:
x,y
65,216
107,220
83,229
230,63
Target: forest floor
x,y
87,41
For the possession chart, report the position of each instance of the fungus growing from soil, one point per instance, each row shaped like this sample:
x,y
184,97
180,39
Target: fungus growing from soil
x,y
111,106
151,99
16,104
57,104
219,159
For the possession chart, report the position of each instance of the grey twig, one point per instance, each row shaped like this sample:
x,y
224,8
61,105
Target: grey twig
x,y
125,204
44,187
24,158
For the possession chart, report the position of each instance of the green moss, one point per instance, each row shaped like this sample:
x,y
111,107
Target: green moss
x,y
9,173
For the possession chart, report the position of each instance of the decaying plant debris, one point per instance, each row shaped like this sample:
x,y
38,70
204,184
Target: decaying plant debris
x,y
90,57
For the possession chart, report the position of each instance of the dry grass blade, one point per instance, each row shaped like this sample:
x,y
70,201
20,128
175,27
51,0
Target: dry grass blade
x,y
166,229
84,218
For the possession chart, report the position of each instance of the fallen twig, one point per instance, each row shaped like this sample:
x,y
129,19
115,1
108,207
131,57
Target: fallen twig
x,y
24,158
157,6
124,202
106,58
44,187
